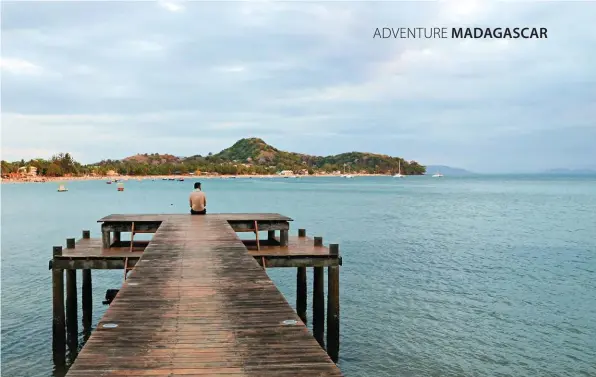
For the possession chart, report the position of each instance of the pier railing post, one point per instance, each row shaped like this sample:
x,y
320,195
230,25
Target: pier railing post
x,y
283,237
301,287
105,237
333,307
71,305
58,322
318,300
86,234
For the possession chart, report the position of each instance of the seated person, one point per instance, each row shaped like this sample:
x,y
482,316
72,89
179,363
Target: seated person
x,y
198,201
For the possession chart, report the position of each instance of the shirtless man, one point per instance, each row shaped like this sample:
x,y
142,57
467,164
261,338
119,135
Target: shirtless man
x,y
198,201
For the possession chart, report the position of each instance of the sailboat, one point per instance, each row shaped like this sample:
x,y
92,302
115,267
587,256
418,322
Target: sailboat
x,y
344,175
61,188
399,174
437,175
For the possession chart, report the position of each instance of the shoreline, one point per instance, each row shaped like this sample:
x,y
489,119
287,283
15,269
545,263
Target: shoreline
x,y
124,178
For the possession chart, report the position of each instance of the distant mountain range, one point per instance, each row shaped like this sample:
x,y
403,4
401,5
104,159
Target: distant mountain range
x,y
446,170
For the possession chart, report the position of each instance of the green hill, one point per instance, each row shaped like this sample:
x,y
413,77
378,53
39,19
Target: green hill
x,y
246,156
256,152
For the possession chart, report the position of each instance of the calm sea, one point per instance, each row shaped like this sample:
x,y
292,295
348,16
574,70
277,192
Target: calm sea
x,y
477,276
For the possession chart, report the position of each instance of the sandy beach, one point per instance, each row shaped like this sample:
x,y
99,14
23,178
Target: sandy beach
x,y
124,178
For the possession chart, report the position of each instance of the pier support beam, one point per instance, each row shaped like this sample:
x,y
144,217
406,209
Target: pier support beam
x,y
283,237
301,287
86,295
318,300
271,235
87,300
71,306
301,293
333,307
117,236
58,322
318,305
105,237
71,311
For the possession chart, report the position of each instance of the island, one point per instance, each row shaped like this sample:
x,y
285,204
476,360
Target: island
x,y
248,156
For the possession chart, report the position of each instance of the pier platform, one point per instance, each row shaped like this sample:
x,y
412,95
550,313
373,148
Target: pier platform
x,y
197,299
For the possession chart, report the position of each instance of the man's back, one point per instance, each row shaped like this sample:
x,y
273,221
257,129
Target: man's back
x,y
198,201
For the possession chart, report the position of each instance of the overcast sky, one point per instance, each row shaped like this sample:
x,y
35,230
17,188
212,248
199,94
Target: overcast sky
x,y
111,79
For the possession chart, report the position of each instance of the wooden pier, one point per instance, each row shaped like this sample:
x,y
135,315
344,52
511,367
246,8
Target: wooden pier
x,y
197,299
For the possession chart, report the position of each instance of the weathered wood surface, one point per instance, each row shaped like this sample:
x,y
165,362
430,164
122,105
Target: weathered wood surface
x,y
217,216
297,246
86,248
198,304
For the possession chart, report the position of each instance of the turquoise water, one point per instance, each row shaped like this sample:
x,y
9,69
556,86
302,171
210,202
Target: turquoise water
x,y
479,276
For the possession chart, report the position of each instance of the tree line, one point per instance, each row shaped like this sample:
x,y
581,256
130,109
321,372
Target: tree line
x,y
63,164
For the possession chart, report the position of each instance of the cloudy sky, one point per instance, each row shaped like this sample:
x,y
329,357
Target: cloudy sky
x,y
111,79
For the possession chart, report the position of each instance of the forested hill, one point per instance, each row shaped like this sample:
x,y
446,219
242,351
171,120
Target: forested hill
x,y
258,153
246,156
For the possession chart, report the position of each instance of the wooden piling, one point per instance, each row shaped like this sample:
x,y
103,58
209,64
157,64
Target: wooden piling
x,y
333,307
301,293
117,236
86,234
318,300
301,287
105,238
271,235
283,237
87,300
71,311
318,241
70,243
58,322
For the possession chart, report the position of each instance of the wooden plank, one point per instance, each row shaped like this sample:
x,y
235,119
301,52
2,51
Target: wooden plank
x,y
297,246
198,304
288,262
98,263
175,217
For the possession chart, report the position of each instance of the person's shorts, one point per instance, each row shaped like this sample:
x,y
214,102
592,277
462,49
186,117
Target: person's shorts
x,y
193,212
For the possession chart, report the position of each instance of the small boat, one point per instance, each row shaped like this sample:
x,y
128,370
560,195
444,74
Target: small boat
x,y
109,182
181,179
437,175
120,186
61,188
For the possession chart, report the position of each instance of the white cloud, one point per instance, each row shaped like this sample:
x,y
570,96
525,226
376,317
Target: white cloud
x,y
20,66
231,69
172,6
